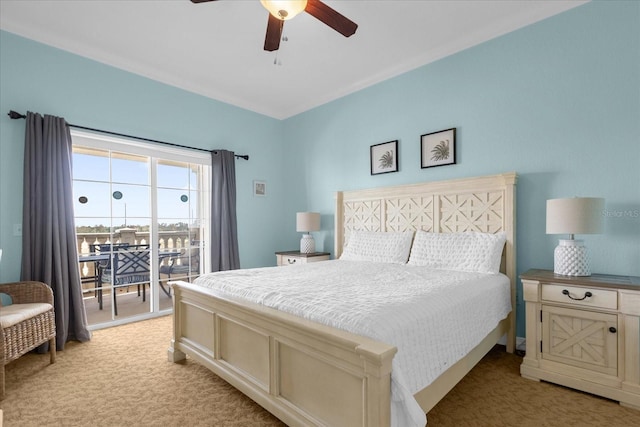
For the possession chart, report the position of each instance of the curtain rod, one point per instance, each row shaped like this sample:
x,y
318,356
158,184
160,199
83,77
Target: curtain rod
x,y
15,115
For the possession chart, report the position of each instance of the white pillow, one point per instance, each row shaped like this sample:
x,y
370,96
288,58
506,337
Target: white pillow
x,y
378,246
469,251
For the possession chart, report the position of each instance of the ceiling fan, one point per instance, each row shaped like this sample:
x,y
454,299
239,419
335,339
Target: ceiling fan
x,y
283,10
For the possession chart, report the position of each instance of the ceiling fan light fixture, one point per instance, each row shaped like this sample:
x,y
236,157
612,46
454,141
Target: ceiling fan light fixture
x,y
284,9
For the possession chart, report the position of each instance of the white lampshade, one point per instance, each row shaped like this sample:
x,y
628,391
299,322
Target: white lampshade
x,y
307,221
284,9
578,215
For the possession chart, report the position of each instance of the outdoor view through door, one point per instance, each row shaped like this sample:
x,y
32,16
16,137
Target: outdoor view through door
x,y
142,218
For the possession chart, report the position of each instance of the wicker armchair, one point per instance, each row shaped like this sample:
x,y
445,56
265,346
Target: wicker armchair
x,y
27,323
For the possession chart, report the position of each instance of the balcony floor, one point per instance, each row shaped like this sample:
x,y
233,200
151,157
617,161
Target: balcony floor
x,y
129,305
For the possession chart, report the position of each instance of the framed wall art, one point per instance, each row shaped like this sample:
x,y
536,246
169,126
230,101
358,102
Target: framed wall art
x,y
259,188
384,157
438,148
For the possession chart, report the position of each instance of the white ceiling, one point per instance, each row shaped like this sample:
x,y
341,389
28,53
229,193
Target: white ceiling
x,y
216,49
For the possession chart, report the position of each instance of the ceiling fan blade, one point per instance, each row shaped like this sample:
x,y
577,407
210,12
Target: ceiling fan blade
x,y
274,33
201,1
329,16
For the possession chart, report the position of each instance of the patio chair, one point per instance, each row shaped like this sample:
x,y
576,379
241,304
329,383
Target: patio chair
x,y
103,263
183,265
131,266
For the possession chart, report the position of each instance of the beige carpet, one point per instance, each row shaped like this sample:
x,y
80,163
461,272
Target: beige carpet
x,y
122,378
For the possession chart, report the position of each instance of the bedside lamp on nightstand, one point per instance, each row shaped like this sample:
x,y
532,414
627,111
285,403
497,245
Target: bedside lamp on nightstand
x,y
306,222
578,215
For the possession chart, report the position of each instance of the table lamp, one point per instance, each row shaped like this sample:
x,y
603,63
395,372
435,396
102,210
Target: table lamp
x,y
306,222
578,215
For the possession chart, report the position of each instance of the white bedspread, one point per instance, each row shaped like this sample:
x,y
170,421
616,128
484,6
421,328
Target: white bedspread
x,y
433,317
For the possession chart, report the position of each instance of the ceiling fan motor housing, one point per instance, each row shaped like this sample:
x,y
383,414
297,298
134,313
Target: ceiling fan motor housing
x,y
284,9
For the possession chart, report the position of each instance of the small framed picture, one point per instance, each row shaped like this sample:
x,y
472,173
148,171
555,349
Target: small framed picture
x,y
438,148
259,188
384,157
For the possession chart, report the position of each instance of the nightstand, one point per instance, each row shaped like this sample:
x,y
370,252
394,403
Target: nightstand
x,y
584,333
296,257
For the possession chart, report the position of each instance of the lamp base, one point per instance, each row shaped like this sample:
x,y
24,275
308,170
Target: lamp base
x,y
570,258
307,244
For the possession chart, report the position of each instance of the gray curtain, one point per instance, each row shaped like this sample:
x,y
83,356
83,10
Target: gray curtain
x,y
49,251
224,228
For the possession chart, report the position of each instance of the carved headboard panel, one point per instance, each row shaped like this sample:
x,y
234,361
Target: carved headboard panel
x,y
484,204
445,213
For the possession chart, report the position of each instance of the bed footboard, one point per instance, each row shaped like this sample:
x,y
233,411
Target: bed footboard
x,y
302,372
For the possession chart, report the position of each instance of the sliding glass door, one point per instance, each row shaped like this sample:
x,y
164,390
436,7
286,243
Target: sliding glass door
x,y
181,215
142,215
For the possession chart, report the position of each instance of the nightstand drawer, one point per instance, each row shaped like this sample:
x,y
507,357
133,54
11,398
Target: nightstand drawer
x,y
575,295
284,259
290,260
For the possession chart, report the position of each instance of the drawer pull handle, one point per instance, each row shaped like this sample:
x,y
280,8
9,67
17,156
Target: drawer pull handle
x,y
613,330
291,261
586,295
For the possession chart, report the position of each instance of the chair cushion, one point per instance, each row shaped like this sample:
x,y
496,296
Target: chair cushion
x,y
181,269
125,279
16,313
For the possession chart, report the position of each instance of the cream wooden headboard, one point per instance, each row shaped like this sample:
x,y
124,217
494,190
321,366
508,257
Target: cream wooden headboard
x,y
485,204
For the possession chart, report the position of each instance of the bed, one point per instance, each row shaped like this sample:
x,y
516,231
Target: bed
x,y
311,373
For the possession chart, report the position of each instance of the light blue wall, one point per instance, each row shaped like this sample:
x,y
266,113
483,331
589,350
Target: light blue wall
x,y
558,102
42,79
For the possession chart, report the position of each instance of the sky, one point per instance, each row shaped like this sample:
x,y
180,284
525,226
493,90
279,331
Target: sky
x,y
109,187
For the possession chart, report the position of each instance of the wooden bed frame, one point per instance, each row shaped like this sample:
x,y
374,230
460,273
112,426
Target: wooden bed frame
x,y
310,374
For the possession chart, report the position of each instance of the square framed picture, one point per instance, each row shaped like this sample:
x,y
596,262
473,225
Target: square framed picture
x,y
384,157
259,188
438,148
